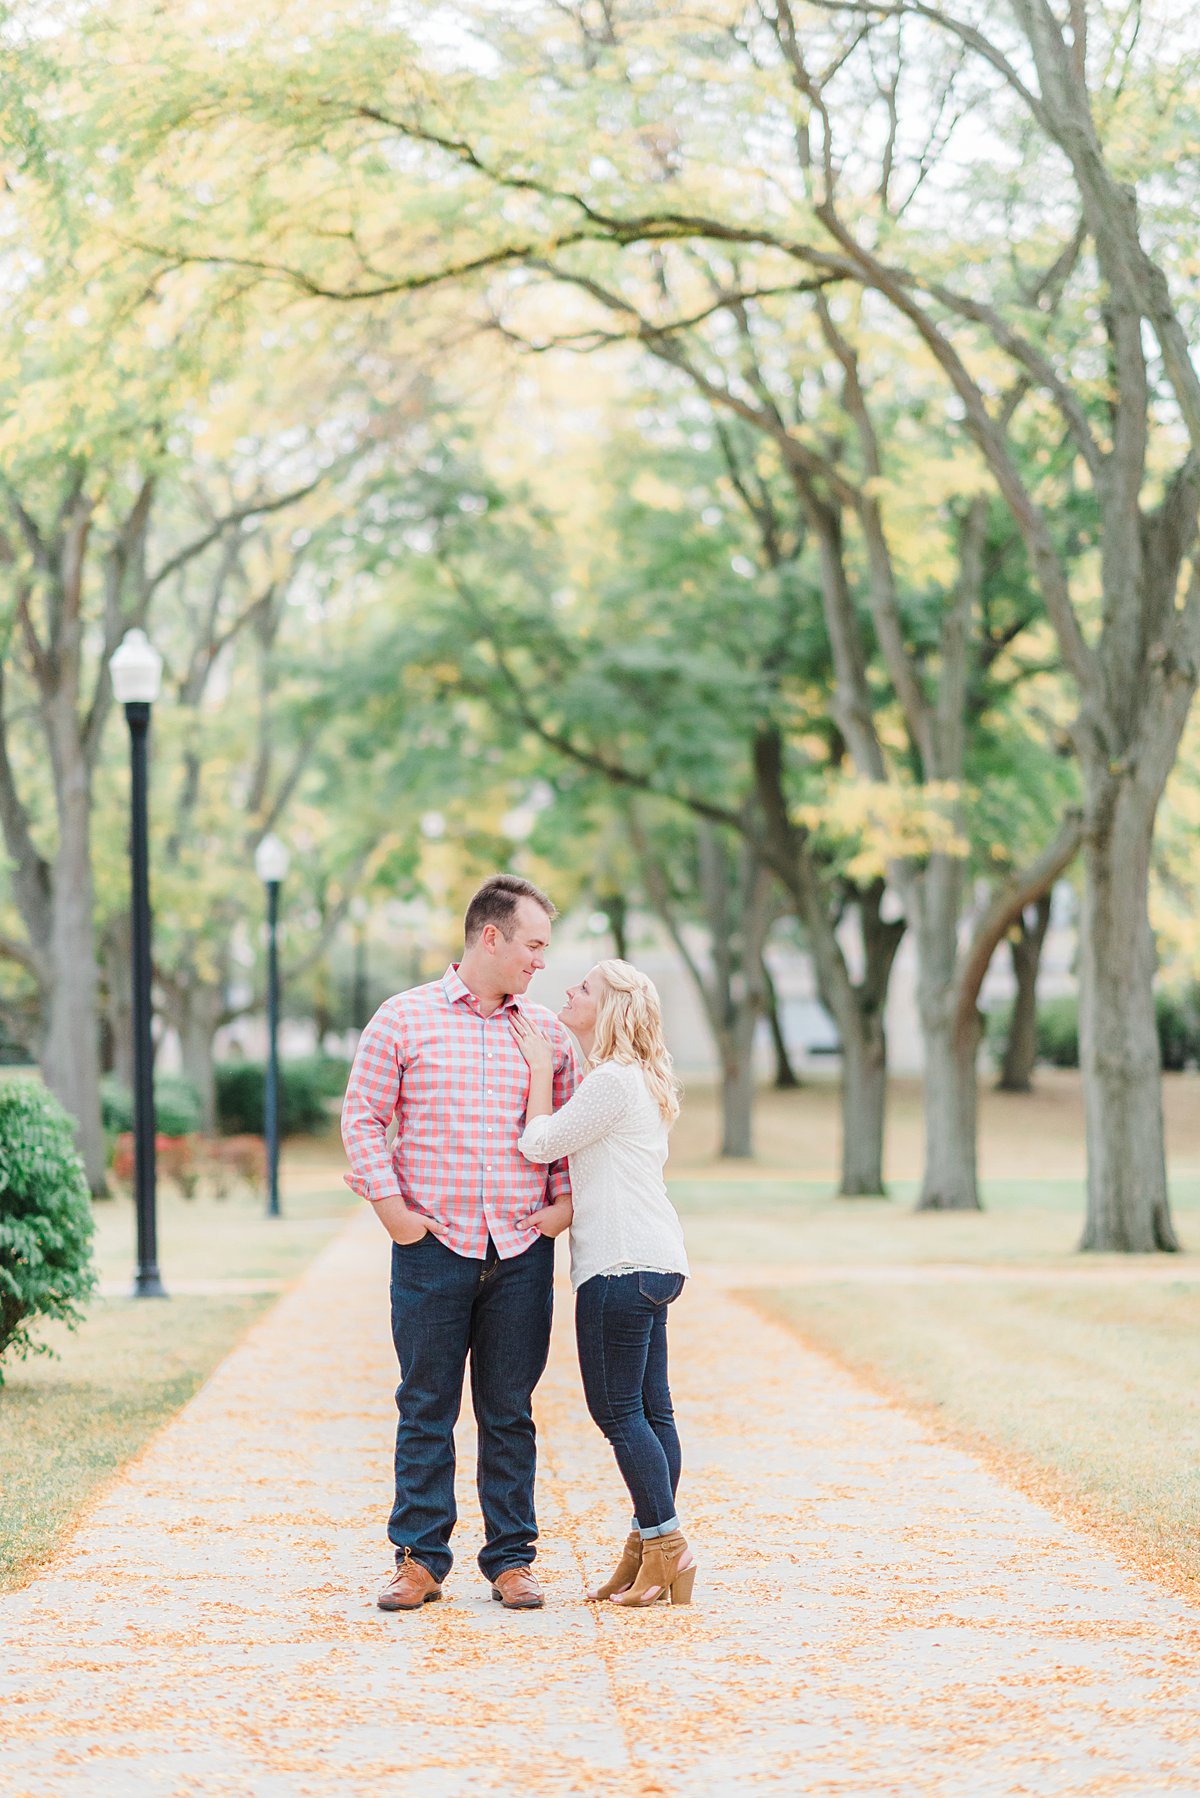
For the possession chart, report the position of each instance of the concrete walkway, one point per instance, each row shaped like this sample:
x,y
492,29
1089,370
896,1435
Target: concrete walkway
x,y
876,1614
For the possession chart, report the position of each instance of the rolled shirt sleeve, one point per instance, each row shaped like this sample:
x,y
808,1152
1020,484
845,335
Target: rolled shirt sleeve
x,y
596,1108
372,1095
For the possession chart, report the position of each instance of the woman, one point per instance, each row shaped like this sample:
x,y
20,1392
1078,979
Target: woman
x,y
627,1256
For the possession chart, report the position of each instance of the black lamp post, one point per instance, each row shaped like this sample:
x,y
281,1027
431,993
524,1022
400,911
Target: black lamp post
x,y
136,669
271,864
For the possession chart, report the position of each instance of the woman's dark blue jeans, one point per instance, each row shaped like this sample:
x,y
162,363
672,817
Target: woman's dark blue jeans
x,y
621,1330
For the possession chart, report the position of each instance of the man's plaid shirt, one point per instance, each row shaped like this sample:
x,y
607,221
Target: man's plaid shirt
x,y
457,1085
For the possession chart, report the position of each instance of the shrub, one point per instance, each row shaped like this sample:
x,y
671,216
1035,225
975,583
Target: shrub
x,y
1177,1014
1058,1031
13,1053
330,1072
241,1094
177,1109
45,1218
116,1106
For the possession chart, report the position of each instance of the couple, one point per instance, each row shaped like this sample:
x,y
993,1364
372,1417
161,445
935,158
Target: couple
x,y
500,1145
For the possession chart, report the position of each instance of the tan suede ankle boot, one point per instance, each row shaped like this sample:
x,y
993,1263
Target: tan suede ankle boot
x,y
626,1570
668,1570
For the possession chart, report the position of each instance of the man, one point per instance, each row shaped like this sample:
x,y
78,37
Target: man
x,y
471,1269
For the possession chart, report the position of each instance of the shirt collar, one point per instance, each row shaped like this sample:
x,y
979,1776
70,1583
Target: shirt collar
x,y
456,990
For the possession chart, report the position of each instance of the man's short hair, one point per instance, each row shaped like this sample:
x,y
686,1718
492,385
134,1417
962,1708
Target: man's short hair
x,y
496,903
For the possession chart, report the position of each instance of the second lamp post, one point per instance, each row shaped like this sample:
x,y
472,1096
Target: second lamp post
x,y
271,864
136,669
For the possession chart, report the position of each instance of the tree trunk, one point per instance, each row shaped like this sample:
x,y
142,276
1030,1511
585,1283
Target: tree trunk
x,y
786,1078
737,1102
1127,1204
858,1008
1020,1051
197,1019
118,970
950,1181
864,1101
71,1049
934,901
615,907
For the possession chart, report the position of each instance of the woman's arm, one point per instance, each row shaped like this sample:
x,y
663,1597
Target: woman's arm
x,y
540,1102
596,1108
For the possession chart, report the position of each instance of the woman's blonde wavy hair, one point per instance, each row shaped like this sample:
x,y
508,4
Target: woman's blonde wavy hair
x,y
629,1029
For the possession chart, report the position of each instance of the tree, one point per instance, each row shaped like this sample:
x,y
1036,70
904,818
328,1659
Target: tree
x,y
649,679
877,100
1137,436
735,889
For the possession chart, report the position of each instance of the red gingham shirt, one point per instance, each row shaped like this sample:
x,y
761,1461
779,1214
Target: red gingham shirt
x,y
457,1085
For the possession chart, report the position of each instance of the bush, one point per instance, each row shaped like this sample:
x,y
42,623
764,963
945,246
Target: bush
x,y
1058,1032
177,1110
1177,1014
241,1095
331,1073
116,1106
45,1218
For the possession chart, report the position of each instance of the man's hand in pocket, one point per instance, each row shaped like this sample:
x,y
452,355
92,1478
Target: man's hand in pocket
x,y
402,1225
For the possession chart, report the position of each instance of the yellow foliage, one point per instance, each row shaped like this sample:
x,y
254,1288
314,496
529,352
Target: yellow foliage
x,y
879,824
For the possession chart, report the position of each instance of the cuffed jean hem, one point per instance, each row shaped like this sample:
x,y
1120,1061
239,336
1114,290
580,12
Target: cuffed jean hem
x,y
656,1529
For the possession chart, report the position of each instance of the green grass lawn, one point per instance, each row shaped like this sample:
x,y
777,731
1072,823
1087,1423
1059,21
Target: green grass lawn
x,y
67,1424
800,1221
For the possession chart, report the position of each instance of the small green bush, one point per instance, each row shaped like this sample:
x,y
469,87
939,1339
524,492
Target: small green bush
x,y
1176,1011
1058,1031
330,1072
1177,1014
241,1095
45,1218
177,1109
116,1106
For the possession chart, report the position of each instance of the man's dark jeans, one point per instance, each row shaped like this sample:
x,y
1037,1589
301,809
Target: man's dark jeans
x,y
444,1308
621,1332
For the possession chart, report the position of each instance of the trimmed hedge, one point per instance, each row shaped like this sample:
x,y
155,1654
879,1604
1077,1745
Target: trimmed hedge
x,y
304,1086
45,1218
1177,1015
177,1108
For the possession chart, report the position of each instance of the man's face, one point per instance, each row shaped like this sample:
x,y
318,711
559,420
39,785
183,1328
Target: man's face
x,y
517,958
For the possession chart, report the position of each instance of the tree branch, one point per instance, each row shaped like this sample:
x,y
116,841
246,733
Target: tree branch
x,y
1003,909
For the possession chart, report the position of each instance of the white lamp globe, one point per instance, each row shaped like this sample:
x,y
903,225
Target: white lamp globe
x,y
136,669
271,859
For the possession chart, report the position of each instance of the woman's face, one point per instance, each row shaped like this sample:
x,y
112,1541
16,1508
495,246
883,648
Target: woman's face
x,y
579,1012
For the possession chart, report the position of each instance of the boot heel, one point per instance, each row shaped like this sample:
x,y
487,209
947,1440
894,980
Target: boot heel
x,y
681,1590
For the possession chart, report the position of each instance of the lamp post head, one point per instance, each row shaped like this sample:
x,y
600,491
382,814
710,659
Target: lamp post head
x,y
136,669
271,860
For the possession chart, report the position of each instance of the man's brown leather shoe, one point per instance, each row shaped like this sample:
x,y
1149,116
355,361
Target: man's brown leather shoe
x,y
517,1589
409,1588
